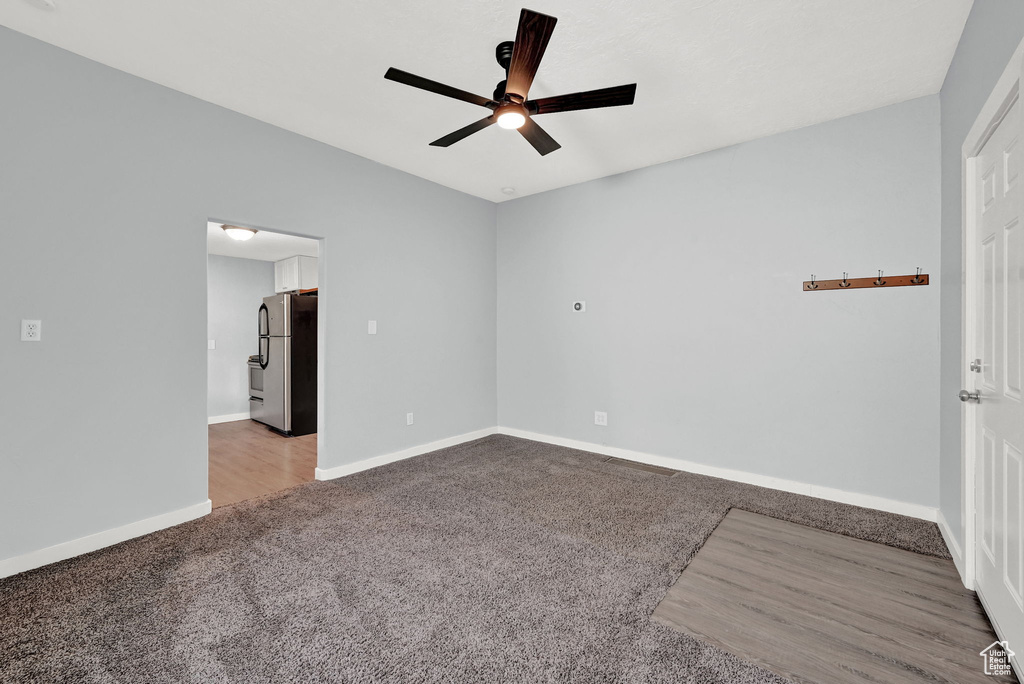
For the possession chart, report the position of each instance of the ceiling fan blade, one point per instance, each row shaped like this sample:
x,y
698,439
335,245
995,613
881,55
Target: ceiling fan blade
x,y
463,132
531,40
616,96
415,81
538,137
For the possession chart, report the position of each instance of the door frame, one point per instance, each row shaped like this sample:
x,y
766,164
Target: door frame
x,y
1005,93
321,328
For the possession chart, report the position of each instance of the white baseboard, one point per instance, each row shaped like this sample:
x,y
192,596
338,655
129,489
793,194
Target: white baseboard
x,y
384,459
229,418
864,500
953,546
92,542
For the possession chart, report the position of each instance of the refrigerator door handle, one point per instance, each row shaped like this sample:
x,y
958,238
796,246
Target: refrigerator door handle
x,y
264,320
264,360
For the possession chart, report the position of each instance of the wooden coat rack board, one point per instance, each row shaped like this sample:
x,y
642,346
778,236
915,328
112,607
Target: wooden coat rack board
x,y
845,283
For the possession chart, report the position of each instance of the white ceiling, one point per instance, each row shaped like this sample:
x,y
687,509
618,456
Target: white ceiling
x,y
264,246
711,73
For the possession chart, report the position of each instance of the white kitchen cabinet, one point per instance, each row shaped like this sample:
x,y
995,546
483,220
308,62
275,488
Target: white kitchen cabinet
x,y
295,273
286,275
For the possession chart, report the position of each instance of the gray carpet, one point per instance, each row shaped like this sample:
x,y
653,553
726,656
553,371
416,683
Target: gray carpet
x,y
499,560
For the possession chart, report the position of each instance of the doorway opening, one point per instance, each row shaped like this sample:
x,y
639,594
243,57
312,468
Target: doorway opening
x,y
263,379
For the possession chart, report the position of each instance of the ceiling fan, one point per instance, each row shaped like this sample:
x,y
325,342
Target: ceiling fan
x,y
510,107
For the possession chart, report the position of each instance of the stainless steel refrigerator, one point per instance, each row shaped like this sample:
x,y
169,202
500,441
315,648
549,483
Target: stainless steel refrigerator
x,y
282,378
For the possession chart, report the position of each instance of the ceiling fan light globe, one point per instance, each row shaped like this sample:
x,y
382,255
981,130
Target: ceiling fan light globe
x,y
239,233
511,116
511,120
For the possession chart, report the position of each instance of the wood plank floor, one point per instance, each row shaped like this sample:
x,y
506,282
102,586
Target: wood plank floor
x,y
249,460
814,606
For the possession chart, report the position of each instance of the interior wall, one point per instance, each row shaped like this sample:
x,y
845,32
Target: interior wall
x,y
994,30
235,288
107,183
698,340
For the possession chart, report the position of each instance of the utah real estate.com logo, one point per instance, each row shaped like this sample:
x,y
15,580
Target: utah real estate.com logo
x,y
997,658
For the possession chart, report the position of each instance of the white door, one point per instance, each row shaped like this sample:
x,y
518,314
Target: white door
x,y
997,414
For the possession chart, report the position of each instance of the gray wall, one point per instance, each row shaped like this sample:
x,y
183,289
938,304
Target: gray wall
x,y
235,288
698,340
993,31
106,185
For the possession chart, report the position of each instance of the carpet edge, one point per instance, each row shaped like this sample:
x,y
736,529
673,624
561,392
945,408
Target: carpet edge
x,y
384,459
878,503
99,540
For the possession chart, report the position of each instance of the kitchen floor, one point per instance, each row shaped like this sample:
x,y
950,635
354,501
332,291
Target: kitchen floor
x,y
248,460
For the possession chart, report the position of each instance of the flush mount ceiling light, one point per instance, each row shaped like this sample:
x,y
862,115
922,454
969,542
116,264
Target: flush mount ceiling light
x,y
239,233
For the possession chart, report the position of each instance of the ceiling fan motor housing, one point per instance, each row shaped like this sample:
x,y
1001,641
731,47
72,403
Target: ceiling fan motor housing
x,y
503,53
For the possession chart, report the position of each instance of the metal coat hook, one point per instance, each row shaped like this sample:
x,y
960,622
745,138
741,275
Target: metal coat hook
x,y
917,280
879,282
812,285
845,283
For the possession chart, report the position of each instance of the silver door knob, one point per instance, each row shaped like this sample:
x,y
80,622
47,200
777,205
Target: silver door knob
x,y
969,396
976,365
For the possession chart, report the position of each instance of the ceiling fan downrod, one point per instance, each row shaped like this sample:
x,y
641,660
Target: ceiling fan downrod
x,y
503,54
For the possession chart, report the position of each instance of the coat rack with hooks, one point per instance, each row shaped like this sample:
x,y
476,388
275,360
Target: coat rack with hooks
x,y
882,280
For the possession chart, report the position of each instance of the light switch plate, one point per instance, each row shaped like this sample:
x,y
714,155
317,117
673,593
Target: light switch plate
x,y
211,344
371,328
31,331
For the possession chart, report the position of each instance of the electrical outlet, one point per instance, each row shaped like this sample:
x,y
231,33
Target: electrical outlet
x,y
371,328
408,419
31,331
600,418
579,306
